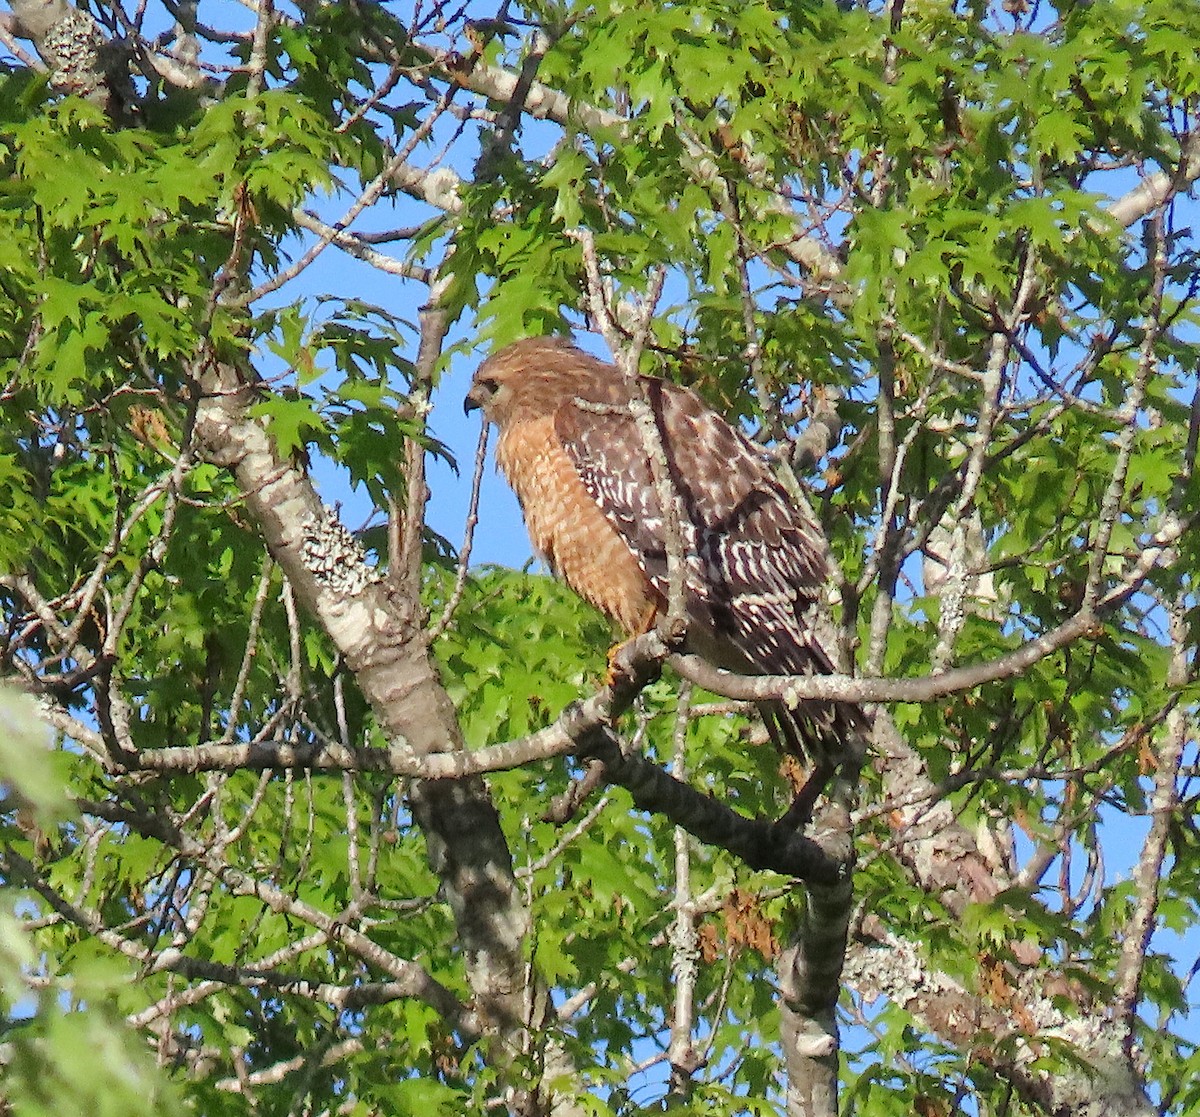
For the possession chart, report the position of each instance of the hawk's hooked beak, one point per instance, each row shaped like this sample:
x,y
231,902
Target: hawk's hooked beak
x,y
479,396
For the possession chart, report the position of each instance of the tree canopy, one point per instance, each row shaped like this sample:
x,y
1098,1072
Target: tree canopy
x,y
334,821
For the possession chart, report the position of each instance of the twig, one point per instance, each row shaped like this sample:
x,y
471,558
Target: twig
x,y
369,195
406,524
243,676
360,248
438,629
597,294
849,688
571,836
647,417
1110,506
564,807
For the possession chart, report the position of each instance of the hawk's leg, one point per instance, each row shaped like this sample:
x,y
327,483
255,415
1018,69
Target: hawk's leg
x,y
644,625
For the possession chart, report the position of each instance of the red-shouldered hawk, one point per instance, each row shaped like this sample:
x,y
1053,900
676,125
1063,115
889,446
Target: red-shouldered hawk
x,y
571,449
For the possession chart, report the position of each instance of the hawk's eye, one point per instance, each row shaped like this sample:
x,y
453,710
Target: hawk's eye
x,y
480,395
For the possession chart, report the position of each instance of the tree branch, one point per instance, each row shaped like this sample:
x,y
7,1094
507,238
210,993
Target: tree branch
x,y
378,635
760,844
848,688
1159,187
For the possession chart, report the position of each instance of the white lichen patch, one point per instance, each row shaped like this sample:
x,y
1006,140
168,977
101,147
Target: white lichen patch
x,y
334,557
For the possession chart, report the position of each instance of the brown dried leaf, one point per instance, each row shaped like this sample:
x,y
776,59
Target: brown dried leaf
x,y
745,925
711,947
793,771
1147,757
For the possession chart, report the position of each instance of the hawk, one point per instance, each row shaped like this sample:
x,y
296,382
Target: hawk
x,y
570,447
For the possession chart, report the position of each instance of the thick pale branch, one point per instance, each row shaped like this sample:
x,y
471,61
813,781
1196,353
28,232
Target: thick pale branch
x,y
331,757
378,635
1159,187
71,43
810,969
539,100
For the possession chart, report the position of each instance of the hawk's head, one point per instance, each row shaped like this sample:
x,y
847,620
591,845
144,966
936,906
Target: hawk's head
x,y
529,377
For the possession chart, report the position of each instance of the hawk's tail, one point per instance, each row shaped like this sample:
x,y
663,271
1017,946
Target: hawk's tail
x,y
824,735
